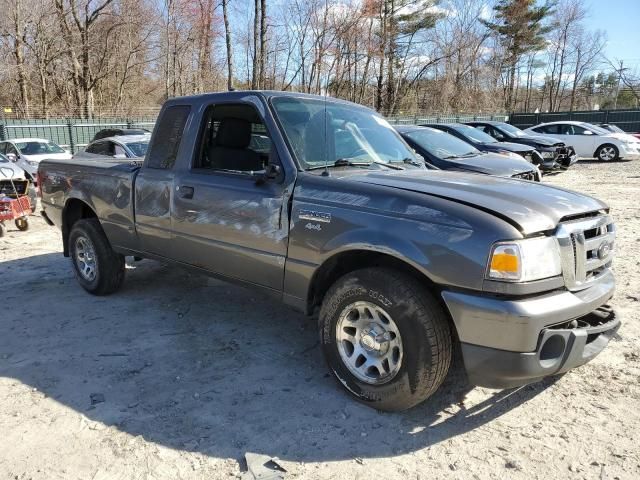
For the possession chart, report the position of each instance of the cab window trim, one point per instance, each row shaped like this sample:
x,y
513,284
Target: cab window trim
x,y
207,111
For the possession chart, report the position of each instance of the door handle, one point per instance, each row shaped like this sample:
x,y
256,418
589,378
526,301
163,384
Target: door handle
x,y
185,192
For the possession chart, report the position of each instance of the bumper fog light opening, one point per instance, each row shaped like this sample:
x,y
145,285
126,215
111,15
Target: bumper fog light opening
x,y
552,351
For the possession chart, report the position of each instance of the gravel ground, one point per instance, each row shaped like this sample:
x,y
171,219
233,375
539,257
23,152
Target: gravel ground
x,y
177,376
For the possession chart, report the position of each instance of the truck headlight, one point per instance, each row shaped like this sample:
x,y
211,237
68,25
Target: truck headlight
x,y
524,260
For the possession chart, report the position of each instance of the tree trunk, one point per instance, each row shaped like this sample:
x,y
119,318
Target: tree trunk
x,y
227,36
256,22
263,42
44,95
511,87
383,50
18,52
69,43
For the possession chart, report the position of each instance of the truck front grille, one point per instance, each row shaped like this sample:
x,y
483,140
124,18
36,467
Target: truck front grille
x,y
586,249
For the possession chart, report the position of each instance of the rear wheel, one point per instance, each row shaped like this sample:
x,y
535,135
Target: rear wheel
x,y
2,229
385,337
607,153
98,269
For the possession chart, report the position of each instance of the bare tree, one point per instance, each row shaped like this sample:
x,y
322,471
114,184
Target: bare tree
x,y
227,38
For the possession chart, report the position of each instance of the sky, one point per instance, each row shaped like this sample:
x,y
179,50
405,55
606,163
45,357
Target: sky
x,y
620,19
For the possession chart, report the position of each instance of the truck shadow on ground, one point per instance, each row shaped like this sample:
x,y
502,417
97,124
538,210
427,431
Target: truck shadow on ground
x,y
200,365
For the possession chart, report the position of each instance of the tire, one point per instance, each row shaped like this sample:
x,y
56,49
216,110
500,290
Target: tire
x,y
98,269
415,321
22,224
33,198
2,229
607,153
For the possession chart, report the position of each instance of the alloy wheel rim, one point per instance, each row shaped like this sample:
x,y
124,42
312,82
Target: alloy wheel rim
x,y
607,153
369,343
85,258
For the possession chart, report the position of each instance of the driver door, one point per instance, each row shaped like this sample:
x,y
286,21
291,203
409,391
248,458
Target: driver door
x,y
227,217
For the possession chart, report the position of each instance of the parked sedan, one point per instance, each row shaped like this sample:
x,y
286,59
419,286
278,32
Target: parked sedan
x,y
591,141
486,143
447,152
27,153
125,146
549,148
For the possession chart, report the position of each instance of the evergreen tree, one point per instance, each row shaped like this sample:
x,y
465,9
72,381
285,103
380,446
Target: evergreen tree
x,y
520,27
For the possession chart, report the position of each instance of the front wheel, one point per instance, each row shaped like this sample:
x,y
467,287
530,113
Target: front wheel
x,y
385,338
607,153
98,269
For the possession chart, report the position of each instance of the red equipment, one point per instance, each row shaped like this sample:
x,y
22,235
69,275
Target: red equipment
x,y
14,202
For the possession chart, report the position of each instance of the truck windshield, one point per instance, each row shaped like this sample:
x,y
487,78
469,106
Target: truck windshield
x,y
441,144
331,133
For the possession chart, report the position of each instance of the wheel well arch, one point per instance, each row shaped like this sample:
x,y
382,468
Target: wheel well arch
x,y
74,210
350,260
606,144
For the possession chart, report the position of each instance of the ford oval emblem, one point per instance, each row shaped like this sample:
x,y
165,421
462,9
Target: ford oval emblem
x,y
604,250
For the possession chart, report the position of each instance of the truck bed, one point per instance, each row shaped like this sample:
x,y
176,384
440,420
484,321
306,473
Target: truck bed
x,y
106,185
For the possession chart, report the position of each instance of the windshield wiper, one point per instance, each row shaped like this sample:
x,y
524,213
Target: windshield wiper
x,y
411,161
347,162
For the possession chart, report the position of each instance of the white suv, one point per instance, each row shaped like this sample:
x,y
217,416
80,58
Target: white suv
x,y
591,141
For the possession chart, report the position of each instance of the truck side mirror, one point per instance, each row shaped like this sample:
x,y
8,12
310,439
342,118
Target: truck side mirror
x,y
271,172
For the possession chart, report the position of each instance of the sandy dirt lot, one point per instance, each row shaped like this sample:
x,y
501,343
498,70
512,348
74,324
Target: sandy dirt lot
x,y
177,376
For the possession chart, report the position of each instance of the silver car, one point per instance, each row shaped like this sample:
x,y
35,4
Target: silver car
x,y
122,146
27,153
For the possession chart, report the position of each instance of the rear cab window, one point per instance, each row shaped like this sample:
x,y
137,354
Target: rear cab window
x,y
167,137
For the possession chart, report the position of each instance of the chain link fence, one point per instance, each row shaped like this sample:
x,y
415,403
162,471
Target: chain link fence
x,y
71,133
75,133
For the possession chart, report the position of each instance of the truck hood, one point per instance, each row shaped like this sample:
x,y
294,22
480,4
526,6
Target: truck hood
x,y
530,206
492,164
509,146
540,140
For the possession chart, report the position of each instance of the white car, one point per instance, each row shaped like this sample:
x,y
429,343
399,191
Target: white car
x,y
28,152
12,173
590,141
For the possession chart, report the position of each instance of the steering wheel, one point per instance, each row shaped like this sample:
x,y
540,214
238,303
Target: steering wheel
x,y
355,153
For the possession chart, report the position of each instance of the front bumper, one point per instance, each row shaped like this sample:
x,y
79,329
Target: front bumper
x,y
505,340
560,348
629,153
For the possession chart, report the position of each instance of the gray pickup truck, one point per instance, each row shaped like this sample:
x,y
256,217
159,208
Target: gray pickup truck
x,y
321,204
